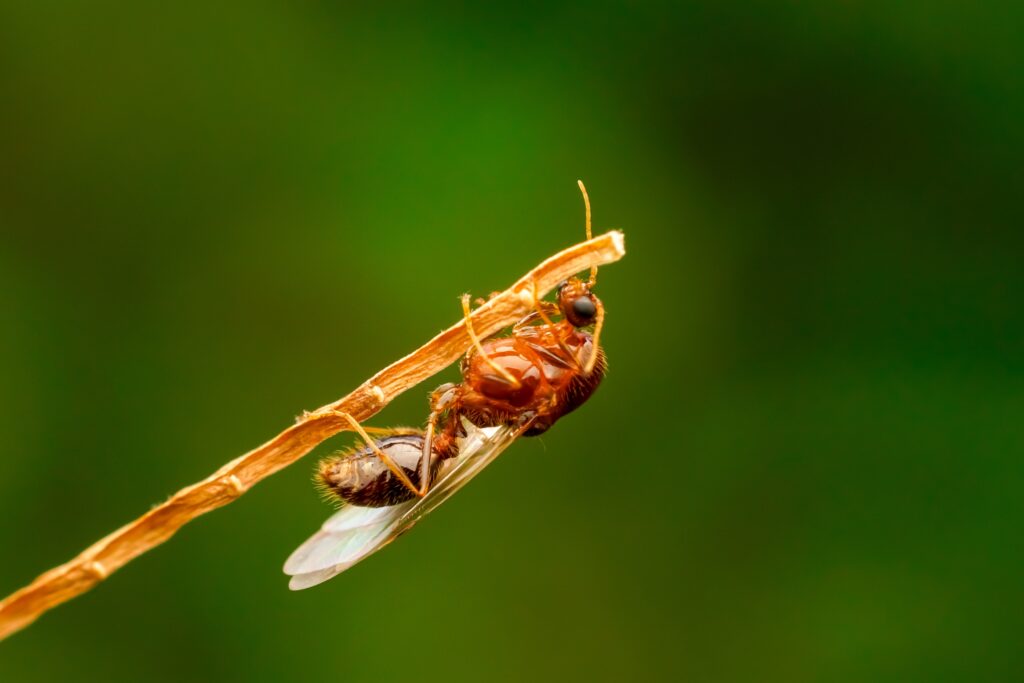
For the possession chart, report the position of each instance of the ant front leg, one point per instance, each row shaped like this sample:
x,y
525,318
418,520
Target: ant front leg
x,y
479,346
541,309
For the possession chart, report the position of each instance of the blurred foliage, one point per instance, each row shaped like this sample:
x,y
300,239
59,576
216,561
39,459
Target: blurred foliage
x,y
804,465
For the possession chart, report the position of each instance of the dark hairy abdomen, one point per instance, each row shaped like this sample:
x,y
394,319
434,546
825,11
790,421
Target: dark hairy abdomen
x,y
360,478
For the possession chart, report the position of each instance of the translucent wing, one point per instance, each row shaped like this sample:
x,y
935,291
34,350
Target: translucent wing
x,y
354,533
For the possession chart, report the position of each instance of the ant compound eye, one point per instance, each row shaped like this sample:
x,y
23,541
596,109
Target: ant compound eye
x,y
583,308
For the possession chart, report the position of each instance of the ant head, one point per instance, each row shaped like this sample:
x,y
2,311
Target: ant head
x,y
577,303
575,300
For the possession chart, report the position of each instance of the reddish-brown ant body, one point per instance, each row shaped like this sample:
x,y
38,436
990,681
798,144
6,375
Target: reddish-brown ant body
x,y
527,380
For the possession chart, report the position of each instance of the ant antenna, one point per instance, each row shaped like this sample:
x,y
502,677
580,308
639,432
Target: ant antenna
x,y
586,202
592,361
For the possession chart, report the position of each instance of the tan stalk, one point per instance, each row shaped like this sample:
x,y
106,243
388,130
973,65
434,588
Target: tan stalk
x,y
109,554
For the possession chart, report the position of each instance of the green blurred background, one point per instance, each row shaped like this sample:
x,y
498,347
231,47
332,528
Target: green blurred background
x,y
805,463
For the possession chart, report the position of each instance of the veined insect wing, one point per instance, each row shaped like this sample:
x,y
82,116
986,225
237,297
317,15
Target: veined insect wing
x,y
354,533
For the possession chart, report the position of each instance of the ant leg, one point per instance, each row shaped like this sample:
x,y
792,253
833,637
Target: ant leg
x,y
440,401
426,460
539,310
479,347
526,320
384,457
531,317
525,424
427,456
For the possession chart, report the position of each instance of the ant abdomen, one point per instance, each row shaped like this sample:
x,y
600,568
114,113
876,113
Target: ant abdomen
x,y
359,477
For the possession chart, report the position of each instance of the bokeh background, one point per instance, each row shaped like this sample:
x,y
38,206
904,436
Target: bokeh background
x,y
804,465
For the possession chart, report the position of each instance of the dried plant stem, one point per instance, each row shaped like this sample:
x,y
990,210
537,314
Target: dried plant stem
x,y
107,555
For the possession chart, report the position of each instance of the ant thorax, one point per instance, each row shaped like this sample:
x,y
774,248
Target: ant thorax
x,y
546,362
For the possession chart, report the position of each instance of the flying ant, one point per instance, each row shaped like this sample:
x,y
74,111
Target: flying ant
x,y
512,386
528,380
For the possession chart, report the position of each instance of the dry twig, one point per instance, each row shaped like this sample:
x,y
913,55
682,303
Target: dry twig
x,y
107,555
